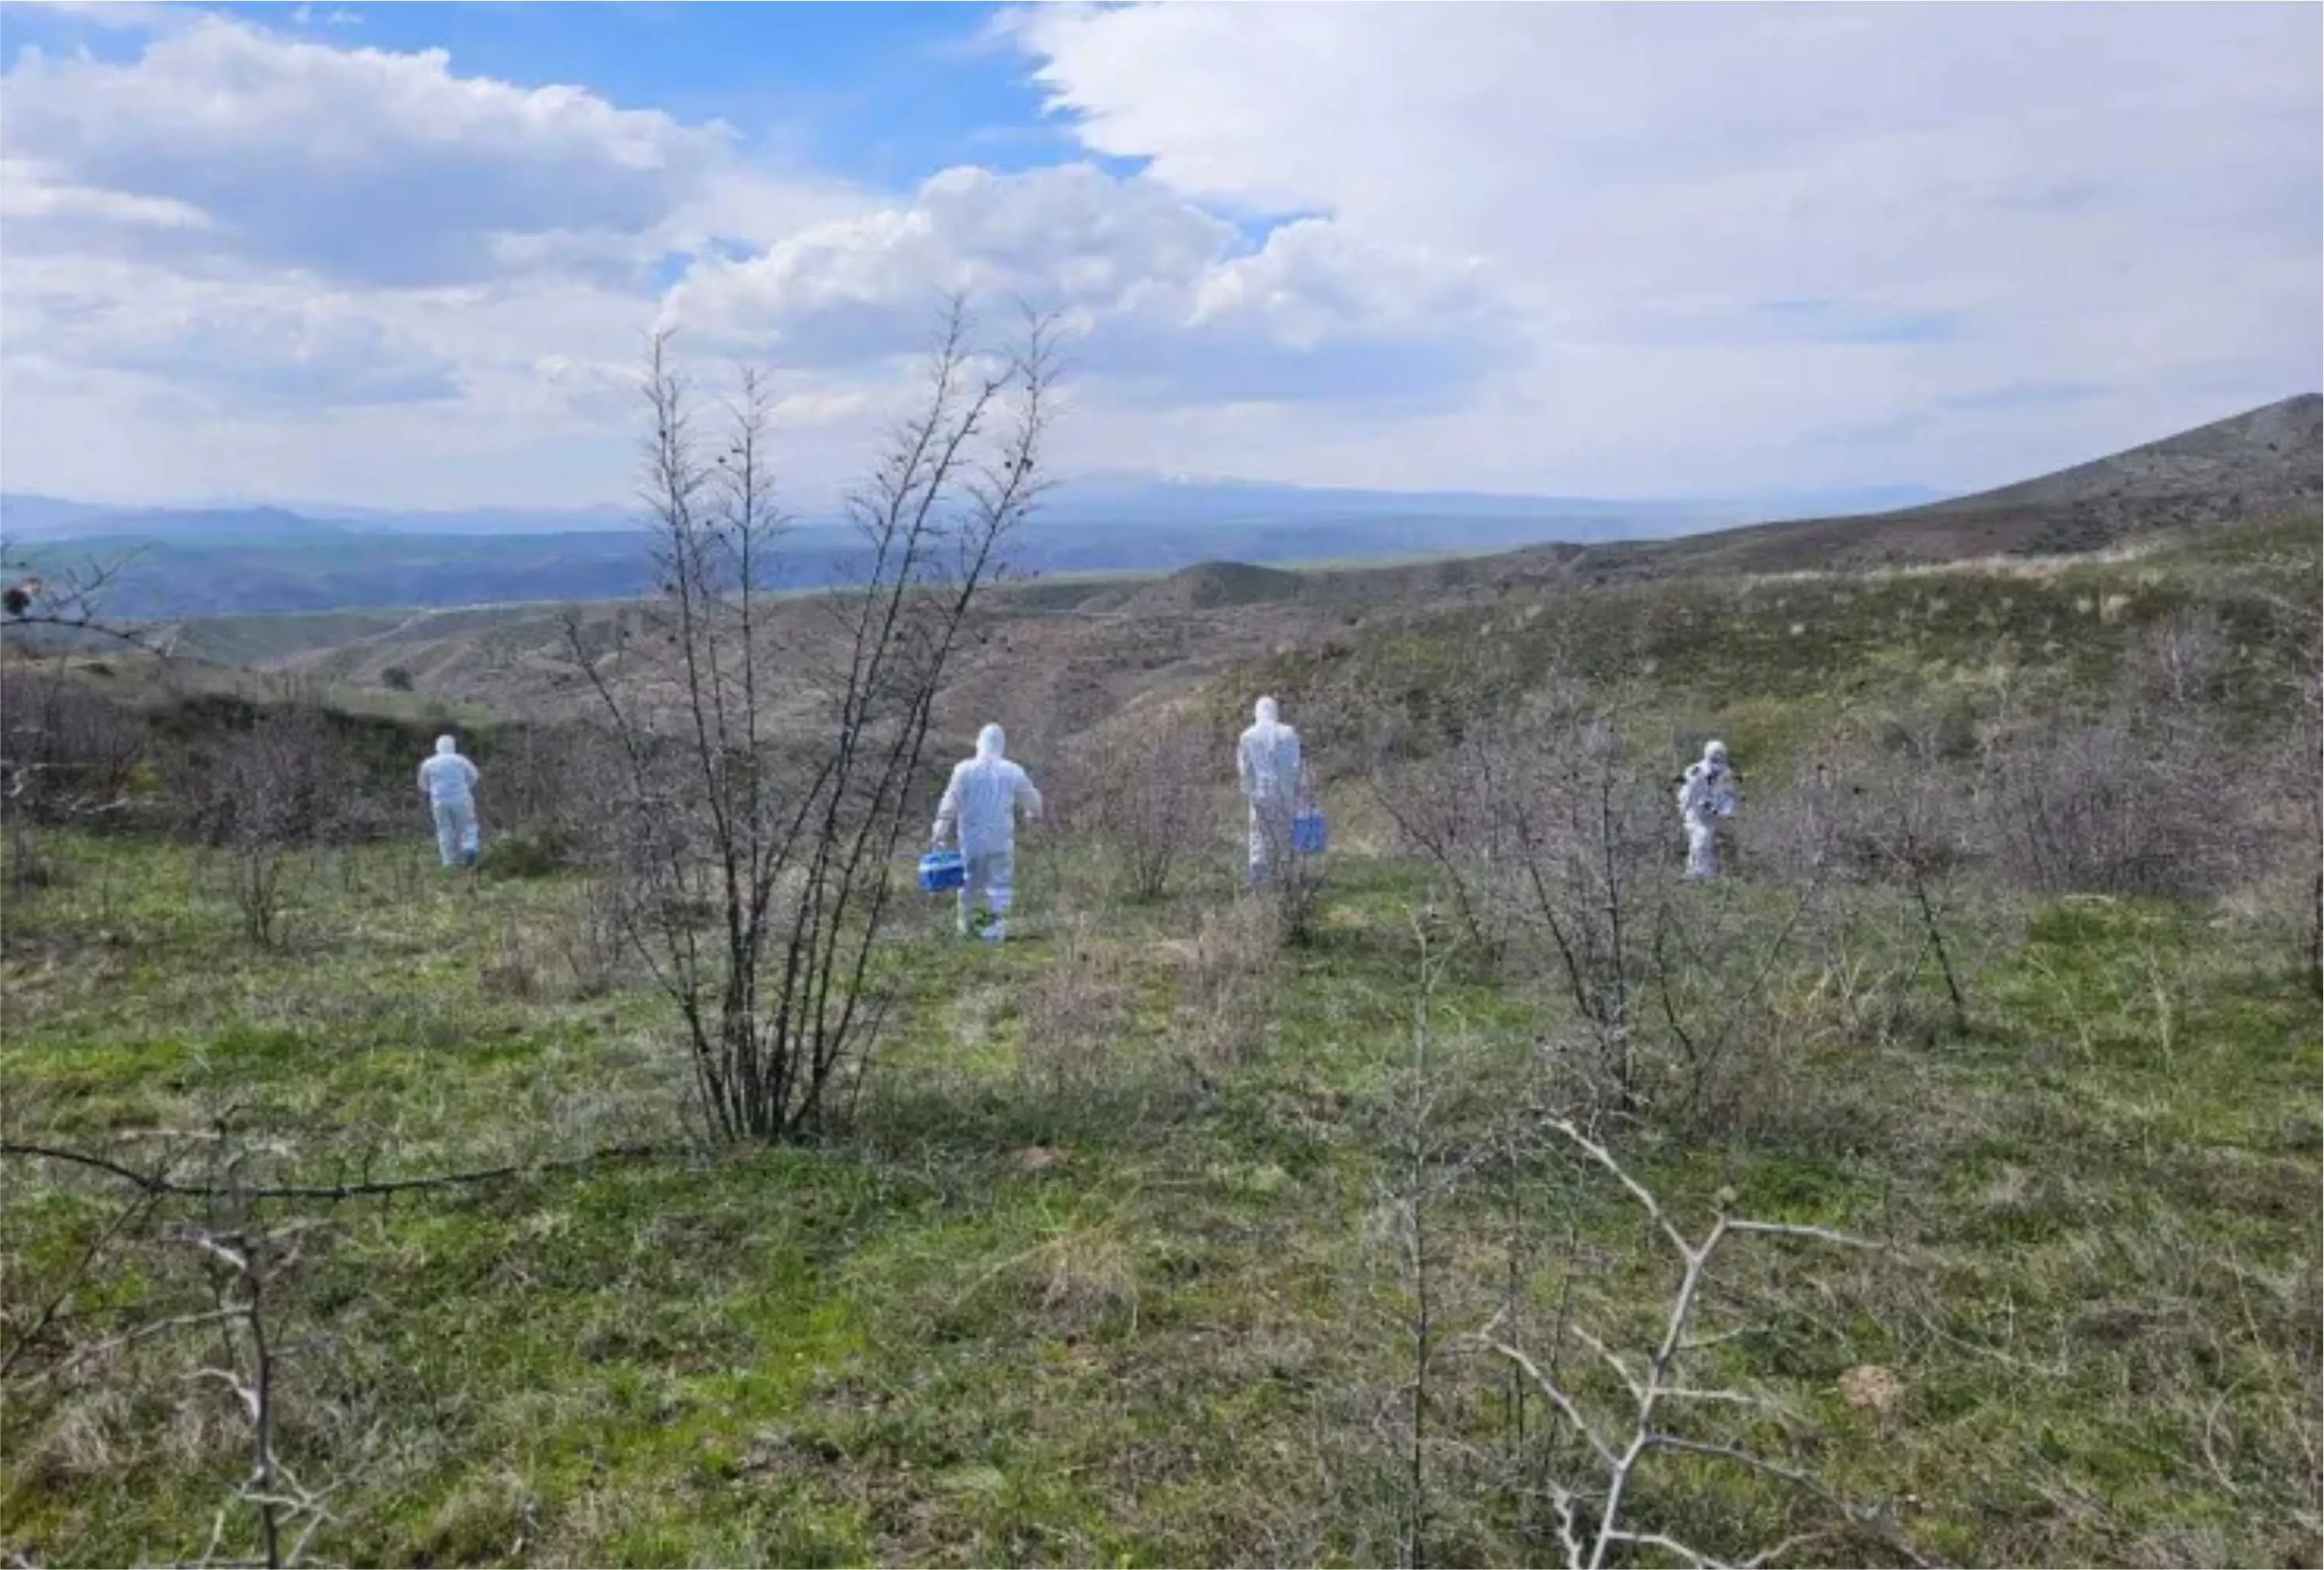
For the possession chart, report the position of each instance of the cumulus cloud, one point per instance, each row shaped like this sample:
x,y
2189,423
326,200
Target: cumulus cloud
x,y
243,349
245,248
2125,197
360,164
1640,249
1167,301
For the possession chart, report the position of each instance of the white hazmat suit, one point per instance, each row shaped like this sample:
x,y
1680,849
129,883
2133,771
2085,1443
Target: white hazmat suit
x,y
1705,795
1267,762
449,781
980,803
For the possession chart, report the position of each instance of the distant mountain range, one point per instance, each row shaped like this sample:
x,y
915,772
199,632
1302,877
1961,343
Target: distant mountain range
x,y
208,561
178,563
1093,501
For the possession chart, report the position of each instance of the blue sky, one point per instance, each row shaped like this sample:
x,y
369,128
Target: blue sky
x,y
276,251
886,94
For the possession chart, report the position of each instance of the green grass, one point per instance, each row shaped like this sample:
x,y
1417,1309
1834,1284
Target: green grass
x,y
1772,663
1132,1312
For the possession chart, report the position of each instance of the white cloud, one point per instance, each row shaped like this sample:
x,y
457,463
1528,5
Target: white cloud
x,y
1169,303
358,163
1617,248
266,265
34,194
1945,198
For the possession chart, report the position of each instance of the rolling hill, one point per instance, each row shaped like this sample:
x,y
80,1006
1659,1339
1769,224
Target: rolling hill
x,y
175,563
1063,655
2265,463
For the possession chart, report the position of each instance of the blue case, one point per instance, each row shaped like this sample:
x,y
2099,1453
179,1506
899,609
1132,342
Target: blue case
x,y
941,870
1308,835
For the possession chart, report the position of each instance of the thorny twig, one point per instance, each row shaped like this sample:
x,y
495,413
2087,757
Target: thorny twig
x,y
156,1183
1653,1383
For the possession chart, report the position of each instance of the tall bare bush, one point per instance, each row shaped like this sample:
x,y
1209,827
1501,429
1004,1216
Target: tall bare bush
x,y
2156,794
1553,838
1144,798
756,858
265,795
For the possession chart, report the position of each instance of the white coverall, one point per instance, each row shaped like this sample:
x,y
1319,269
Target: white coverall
x,y
1267,761
982,803
1706,794
449,781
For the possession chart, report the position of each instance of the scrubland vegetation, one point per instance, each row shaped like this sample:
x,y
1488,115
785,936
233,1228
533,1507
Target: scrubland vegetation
x,y
1942,1187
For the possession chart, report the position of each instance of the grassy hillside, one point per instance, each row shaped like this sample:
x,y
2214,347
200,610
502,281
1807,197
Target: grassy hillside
x,y
1095,1281
1768,661
1148,1226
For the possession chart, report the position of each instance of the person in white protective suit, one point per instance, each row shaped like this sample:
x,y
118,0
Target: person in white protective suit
x,y
1267,761
980,805
449,781
1705,795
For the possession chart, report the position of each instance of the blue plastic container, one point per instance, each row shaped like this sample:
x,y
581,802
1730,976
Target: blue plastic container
x,y
1308,836
941,870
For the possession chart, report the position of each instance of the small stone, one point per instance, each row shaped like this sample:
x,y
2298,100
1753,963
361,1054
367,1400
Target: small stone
x,y
1869,1387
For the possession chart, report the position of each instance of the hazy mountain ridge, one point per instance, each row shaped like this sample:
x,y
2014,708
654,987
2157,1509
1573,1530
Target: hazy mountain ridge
x,y
183,563
2261,463
1084,501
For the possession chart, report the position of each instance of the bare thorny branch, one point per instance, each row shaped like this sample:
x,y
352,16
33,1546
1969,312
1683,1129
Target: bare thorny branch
x,y
754,856
247,1263
1649,1383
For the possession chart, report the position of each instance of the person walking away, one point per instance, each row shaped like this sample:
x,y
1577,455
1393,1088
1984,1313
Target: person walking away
x,y
980,804
1270,769
449,781
1705,795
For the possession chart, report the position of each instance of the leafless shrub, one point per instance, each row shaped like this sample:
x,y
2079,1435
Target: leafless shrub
x,y
2298,764
1423,1168
593,937
1293,884
1713,1042
247,1263
1555,840
1906,820
1222,979
759,859
217,1278
513,974
1626,1408
2074,808
68,757
1143,798
67,754
551,780
2156,795
266,796
1073,1016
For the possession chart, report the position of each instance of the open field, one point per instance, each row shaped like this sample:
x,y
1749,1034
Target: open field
x,y
1086,1284
1191,1225
1113,1261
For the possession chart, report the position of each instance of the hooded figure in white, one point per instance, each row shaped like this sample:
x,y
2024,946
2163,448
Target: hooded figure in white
x,y
449,781
1706,794
1267,762
982,803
